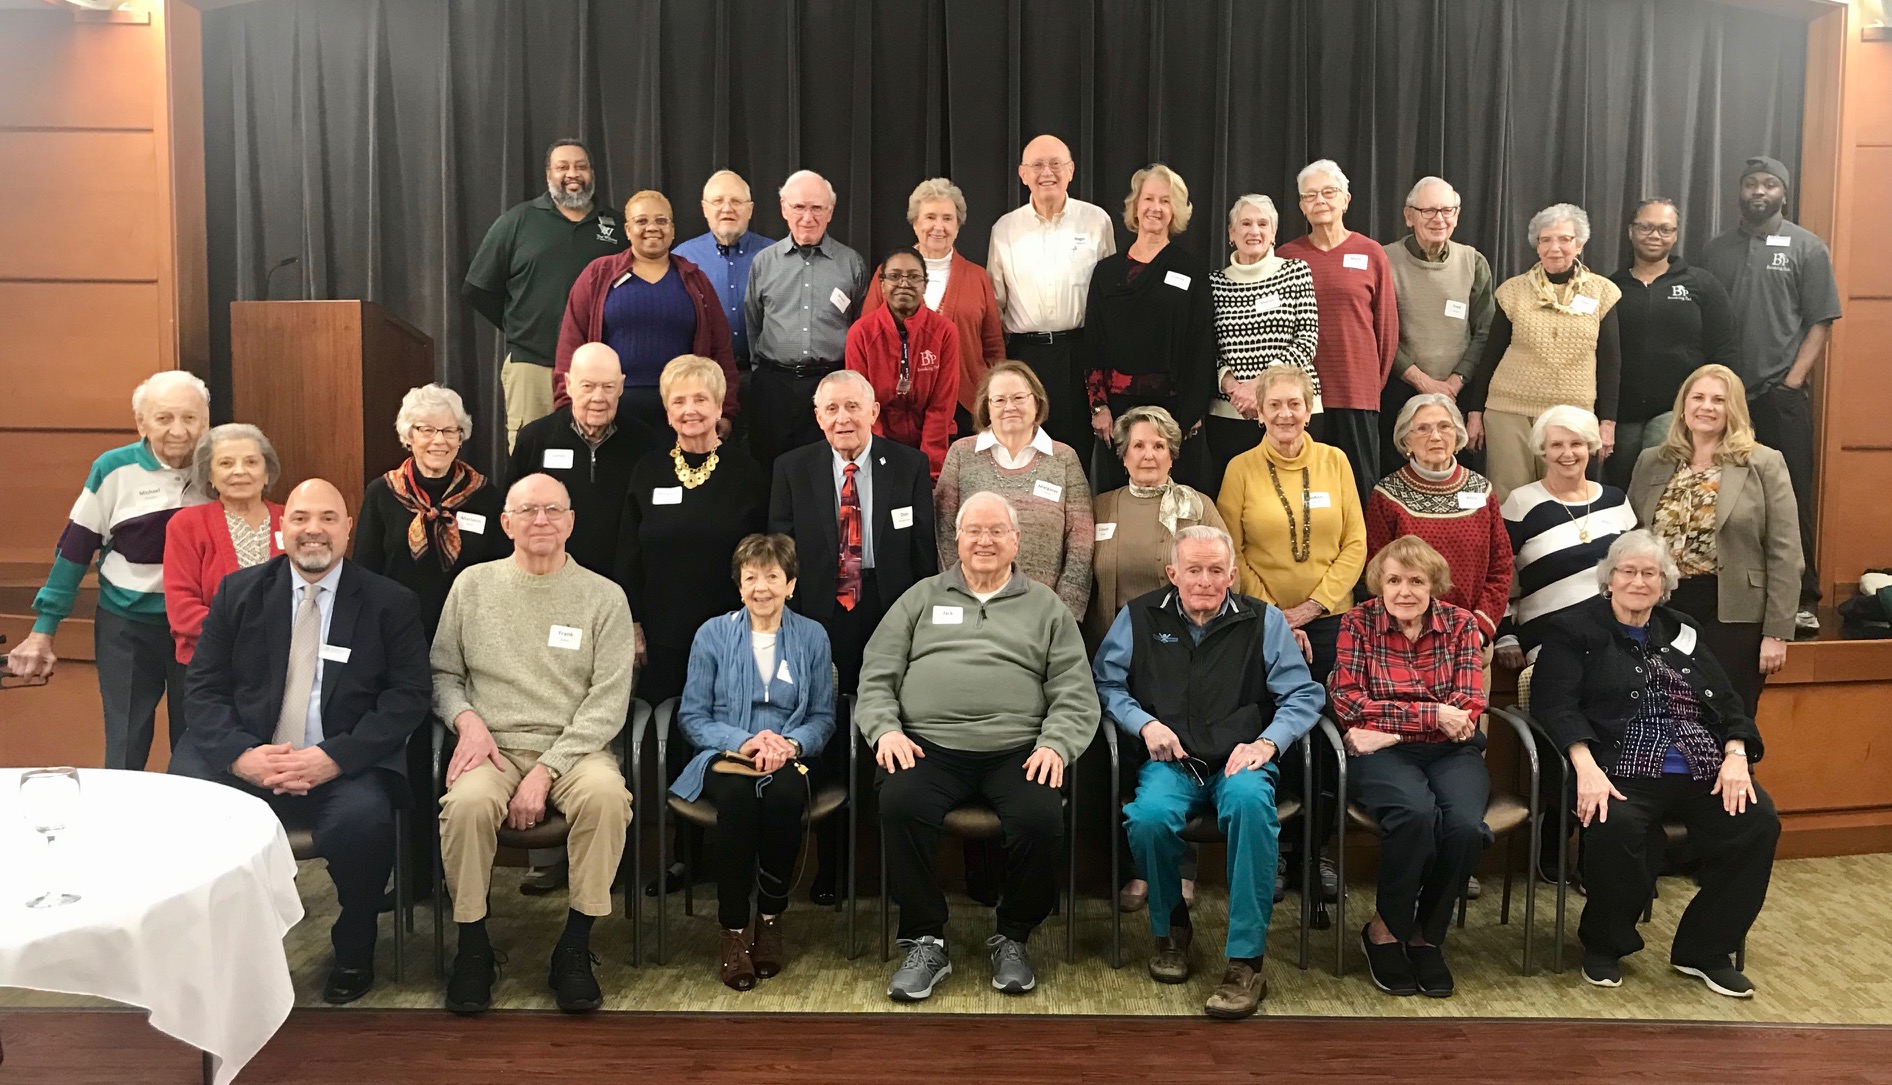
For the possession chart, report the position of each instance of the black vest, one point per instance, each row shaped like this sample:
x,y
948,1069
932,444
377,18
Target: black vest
x,y
1213,694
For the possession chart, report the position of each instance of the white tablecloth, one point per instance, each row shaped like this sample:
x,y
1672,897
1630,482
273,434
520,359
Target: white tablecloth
x,y
186,889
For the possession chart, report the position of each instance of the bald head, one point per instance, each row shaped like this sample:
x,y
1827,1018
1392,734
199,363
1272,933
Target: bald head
x,y
596,384
537,488
315,528
1046,168
538,519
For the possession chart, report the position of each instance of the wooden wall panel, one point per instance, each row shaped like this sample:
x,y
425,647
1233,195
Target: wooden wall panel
x,y
1869,95
1861,393
60,76
1801,769
111,225
1869,241
109,331
44,472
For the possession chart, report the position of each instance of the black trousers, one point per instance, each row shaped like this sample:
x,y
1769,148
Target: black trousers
x,y
1735,645
1356,433
756,840
1783,420
913,807
352,819
1227,438
1737,860
1056,364
1429,798
782,412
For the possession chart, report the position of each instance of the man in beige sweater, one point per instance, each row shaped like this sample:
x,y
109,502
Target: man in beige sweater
x,y
532,669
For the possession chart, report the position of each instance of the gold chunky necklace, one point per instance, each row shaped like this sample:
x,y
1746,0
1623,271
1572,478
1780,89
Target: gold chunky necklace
x,y
692,477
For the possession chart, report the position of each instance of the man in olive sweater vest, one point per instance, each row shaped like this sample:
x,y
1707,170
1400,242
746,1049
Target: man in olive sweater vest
x,y
532,669
974,687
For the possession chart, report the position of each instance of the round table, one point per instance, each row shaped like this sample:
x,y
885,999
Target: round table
x,y
186,890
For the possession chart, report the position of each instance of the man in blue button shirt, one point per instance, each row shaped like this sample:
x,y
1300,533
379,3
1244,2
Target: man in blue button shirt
x,y
726,251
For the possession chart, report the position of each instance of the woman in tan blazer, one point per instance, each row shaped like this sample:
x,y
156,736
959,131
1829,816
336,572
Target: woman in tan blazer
x,y
1724,507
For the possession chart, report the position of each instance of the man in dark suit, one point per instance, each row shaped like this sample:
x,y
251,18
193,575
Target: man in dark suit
x,y
310,676
878,494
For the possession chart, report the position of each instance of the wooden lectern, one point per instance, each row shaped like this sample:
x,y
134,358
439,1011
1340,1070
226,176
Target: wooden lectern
x,y
323,380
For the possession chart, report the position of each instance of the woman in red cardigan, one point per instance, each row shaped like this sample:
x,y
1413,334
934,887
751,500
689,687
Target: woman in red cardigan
x,y
910,355
204,543
956,288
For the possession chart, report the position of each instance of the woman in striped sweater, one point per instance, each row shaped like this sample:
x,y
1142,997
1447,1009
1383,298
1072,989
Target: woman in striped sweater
x,y
1264,315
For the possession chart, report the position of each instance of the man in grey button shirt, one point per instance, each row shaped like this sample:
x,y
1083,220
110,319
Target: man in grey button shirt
x,y
1780,280
804,291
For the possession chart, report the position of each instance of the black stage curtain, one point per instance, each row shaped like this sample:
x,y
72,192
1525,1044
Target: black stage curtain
x,y
377,139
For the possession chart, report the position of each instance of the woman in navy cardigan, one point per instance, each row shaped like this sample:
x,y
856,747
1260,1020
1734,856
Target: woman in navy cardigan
x,y
761,685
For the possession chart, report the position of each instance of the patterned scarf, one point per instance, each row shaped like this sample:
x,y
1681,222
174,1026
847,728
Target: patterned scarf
x,y
1558,296
1178,503
434,523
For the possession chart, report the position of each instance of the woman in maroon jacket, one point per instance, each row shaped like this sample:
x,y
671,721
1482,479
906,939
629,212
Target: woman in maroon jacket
x,y
650,307
236,465
910,355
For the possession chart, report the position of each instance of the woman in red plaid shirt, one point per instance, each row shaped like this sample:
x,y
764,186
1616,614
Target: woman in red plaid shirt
x,y
1408,688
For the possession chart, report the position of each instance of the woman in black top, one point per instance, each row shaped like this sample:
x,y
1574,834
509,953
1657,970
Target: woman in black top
x,y
1149,338
1672,319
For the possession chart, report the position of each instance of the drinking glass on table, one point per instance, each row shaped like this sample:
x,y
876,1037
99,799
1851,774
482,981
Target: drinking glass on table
x,y
49,799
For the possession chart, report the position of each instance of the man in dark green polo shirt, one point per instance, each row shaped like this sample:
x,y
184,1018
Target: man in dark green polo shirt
x,y
525,268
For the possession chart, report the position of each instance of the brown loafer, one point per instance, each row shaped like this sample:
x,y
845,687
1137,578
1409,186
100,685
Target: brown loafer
x,y
766,951
1170,962
737,970
1240,994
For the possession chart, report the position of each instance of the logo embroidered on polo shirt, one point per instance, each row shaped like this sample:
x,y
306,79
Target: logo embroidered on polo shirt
x,y
929,361
1779,261
1678,292
604,232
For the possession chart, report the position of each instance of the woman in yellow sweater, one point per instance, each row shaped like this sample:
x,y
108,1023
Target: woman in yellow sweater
x,y
1291,506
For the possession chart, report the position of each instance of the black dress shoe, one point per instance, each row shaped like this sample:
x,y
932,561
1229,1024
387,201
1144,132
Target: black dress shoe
x,y
470,987
823,894
345,985
671,881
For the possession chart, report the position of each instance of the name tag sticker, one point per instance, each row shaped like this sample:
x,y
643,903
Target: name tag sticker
x,y
558,459
1779,241
1176,279
838,299
620,280
1267,303
1455,309
1050,491
1354,260
1583,303
279,540
1320,499
949,615
568,637
666,495
903,517
1469,500
781,673
334,653
1080,240
1106,532
470,521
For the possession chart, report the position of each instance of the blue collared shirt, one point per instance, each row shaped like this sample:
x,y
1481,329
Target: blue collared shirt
x,y
864,485
325,603
728,269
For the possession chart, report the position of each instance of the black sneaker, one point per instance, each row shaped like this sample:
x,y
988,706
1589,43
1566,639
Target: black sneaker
x,y
1722,978
1388,966
574,987
1602,970
345,984
470,988
1429,971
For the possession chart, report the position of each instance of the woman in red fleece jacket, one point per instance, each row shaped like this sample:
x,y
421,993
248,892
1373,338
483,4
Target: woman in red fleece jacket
x,y
910,355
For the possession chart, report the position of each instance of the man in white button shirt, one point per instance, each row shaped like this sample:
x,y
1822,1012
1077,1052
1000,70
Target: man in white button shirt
x,y
1040,263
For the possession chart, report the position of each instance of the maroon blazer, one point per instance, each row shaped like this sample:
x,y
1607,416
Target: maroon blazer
x,y
198,554
584,320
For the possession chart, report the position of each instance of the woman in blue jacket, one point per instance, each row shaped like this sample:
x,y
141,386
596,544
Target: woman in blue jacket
x,y
761,688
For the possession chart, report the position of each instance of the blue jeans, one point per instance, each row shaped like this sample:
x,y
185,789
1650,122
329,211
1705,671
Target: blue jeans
x,y
1244,809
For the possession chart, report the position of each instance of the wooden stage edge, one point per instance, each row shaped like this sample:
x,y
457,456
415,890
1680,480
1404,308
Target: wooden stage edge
x,y
424,1047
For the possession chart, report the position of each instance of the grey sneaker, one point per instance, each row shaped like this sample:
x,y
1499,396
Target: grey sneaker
x,y
926,965
1805,624
1011,966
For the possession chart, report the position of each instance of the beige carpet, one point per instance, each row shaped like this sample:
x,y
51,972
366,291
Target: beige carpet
x,y
1819,955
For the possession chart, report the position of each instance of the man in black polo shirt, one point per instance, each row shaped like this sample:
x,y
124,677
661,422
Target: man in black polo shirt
x,y
524,270
1780,280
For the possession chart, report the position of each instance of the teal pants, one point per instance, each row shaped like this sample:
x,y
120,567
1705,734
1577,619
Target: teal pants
x,y
1244,809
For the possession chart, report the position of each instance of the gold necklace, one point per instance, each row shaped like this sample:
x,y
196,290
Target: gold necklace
x,y
1583,530
692,477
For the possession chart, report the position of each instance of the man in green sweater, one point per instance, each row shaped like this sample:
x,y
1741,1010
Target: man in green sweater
x,y
974,687
532,669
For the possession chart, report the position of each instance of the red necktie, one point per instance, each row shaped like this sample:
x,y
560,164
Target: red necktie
x,y
847,579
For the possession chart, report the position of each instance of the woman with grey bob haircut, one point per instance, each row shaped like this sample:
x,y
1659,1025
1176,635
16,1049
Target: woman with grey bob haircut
x,y
202,460
236,466
1640,543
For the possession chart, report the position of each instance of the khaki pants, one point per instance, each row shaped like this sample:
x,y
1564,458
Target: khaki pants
x,y
592,797
1510,461
528,391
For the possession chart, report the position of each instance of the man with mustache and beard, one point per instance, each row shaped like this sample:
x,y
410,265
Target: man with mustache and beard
x,y
1780,280
523,273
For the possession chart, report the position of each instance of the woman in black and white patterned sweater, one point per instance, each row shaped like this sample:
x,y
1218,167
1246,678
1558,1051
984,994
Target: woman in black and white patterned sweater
x,y
1264,315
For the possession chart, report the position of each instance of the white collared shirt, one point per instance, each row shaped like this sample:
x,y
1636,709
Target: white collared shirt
x,y
1040,442
1041,268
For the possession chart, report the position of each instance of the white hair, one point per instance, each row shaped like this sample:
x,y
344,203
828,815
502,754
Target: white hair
x,y
164,381
1640,543
1201,531
430,399
802,175
1412,197
1260,203
1556,213
1402,426
232,431
1575,419
1327,166
746,194
982,497
845,376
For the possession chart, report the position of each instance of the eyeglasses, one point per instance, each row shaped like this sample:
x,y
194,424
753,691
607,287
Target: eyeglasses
x,y
1427,429
1652,229
1328,194
982,534
797,210
1631,573
1040,165
530,513
1430,213
903,276
728,201
1194,767
642,221
428,433
1022,399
